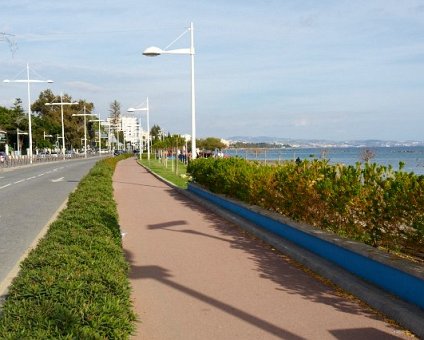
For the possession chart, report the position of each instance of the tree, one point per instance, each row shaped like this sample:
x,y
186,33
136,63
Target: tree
x,y
155,133
47,119
210,143
115,112
115,119
367,155
12,119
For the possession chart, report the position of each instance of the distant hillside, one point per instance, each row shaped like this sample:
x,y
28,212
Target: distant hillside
x,y
266,141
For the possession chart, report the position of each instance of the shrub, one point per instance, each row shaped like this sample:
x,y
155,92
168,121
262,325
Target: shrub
x,y
370,203
74,285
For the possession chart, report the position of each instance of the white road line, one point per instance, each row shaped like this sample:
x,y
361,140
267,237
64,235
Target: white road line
x,y
5,186
31,178
20,181
58,179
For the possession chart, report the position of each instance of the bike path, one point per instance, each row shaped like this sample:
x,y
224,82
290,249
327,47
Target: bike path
x,y
194,275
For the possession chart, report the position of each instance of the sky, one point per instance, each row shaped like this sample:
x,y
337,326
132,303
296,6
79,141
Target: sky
x,y
303,69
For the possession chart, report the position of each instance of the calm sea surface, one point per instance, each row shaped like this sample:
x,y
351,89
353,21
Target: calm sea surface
x,y
413,157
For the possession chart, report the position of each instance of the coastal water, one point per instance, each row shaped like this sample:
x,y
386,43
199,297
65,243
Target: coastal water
x,y
413,157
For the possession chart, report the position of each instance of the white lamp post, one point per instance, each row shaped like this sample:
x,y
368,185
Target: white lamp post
x,y
156,51
85,128
131,109
61,114
29,81
100,137
44,135
108,134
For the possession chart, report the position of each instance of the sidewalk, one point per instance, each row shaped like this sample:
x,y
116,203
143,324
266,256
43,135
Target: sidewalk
x,y
196,276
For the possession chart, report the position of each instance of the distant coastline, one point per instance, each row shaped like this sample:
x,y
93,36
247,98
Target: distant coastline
x,y
275,142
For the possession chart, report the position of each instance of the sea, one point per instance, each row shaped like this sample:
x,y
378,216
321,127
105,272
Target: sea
x,y
412,156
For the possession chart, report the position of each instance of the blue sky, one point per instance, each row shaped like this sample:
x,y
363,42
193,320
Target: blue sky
x,y
292,69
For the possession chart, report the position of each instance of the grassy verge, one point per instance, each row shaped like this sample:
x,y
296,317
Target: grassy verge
x,y
74,285
168,171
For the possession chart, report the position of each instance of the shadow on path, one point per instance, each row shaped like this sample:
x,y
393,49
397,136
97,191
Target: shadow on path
x,y
163,276
270,263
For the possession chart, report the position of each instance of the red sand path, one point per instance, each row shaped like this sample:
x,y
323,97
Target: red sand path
x,y
196,276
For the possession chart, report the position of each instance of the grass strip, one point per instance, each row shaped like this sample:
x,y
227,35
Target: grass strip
x,y
168,171
74,284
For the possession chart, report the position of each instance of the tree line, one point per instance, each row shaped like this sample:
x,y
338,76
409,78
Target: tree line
x,y
47,126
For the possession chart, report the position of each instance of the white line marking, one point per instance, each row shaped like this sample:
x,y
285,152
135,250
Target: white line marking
x,y
5,186
58,179
30,178
22,180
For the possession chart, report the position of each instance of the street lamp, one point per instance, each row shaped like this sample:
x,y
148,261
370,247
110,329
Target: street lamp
x,y
28,81
108,134
100,137
131,109
44,135
85,128
61,113
156,51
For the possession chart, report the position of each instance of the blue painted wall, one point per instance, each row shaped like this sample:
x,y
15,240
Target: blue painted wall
x,y
404,285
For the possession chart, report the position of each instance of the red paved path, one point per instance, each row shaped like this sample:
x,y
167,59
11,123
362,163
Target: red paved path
x,y
196,276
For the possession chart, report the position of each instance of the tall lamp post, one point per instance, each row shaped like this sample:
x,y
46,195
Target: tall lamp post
x,y
61,114
131,109
156,51
108,135
28,81
85,128
100,136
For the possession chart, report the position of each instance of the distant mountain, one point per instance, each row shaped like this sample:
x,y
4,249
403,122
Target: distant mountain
x,y
320,143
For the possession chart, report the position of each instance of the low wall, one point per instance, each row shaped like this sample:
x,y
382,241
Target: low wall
x,y
396,276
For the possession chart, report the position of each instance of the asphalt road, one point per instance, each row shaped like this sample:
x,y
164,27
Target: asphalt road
x,y
29,197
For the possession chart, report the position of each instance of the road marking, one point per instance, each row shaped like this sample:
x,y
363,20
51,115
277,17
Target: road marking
x,y
58,179
5,186
30,178
20,181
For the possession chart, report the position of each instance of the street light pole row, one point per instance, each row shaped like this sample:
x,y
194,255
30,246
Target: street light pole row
x,y
85,114
131,109
61,113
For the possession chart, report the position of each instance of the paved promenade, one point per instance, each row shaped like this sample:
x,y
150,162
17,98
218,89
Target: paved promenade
x,y
196,276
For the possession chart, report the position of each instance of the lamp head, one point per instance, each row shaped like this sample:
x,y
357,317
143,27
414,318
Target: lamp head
x,y
152,51
6,81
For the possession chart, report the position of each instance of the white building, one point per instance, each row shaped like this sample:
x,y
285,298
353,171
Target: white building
x,y
130,128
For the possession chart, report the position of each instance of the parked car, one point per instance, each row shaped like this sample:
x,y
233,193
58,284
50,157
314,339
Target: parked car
x,y
118,152
3,156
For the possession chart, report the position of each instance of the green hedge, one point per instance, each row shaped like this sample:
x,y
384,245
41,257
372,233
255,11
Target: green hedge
x,y
74,285
370,203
